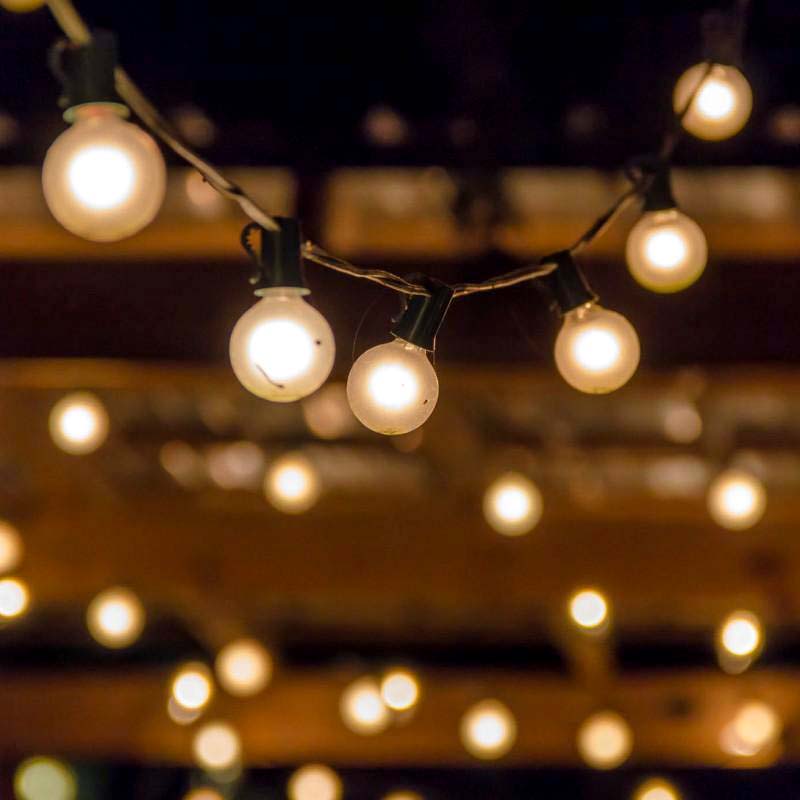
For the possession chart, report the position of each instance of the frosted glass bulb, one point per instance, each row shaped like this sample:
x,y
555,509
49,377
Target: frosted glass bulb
x,y
11,547
588,609
722,104
192,686
14,598
115,617
512,504
314,782
216,746
597,350
362,708
736,499
282,348
605,740
657,789
244,667
104,178
292,484
400,689
43,778
666,251
488,730
741,634
79,423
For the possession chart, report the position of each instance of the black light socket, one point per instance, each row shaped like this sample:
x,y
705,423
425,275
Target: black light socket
x,y
722,38
278,259
566,283
423,316
659,193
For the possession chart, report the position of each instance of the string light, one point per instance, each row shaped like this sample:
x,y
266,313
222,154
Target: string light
x,y
513,504
192,687
605,740
115,617
79,423
740,639
203,793
216,747
488,730
292,484
656,789
755,727
314,782
363,709
736,499
244,667
11,547
14,598
588,609
43,778
400,689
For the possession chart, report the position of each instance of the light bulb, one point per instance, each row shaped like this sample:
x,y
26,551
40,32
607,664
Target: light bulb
x,y
656,789
721,105
192,686
14,598
216,747
597,350
282,348
104,178
666,251
79,423
115,617
755,727
512,504
605,740
180,715
403,795
488,730
362,708
741,634
392,388
42,778
11,547
292,484
203,793
314,782
244,667
588,609
736,499
400,689
22,6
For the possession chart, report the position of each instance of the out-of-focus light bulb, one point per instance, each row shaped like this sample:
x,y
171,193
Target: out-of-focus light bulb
x,y
755,727
657,789
512,504
43,778
115,617
605,740
79,423
666,251
736,499
216,747
14,598
363,709
588,609
292,484
244,667
403,795
11,547
104,179
722,104
681,422
180,715
203,793
192,686
488,730
282,348
314,782
597,350
392,388
741,634
400,689
21,6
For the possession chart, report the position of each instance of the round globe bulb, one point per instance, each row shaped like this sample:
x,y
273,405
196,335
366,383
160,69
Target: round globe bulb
x,y
79,423
192,687
104,178
741,634
43,778
597,350
755,727
657,789
392,388
11,547
282,348
488,730
512,504
203,793
314,782
400,689
363,709
403,795
244,667
115,617
666,251
588,609
721,105
736,500
605,740
14,598
292,484
216,747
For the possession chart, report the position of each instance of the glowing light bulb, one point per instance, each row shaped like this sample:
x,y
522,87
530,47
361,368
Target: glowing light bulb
x,y
488,730
722,104
363,709
314,782
755,727
244,667
666,251
403,795
657,789
392,388
21,6
14,598
79,423
180,715
736,499
11,547
104,179
115,617
42,778
512,504
588,609
400,689
282,348
741,634
292,484
203,793
192,687
216,747
597,350
605,740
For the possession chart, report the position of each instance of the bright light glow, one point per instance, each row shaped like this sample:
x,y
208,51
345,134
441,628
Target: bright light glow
x,y
11,547
657,789
362,708
755,727
392,388
513,504
282,348
292,484
314,782
588,609
715,100
180,715
14,598
403,795
115,617
244,667
488,730
741,634
79,423
666,248
605,740
596,349
216,747
43,778
21,6
400,689
203,793
736,499
192,686
101,177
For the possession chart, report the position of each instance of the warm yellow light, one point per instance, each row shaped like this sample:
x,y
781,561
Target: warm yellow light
x,y
14,598
666,251
363,709
237,465
192,686
244,667
327,413
657,789
79,423
488,730
722,104
605,740
392,388
216,747
682,422
512,504
403,795
21,6
44,778
400,689
741,634
115,617
104,179
755,727
736,499
282,348
292,484
597,350
203,793
588,609
11,547
314,782
180,715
